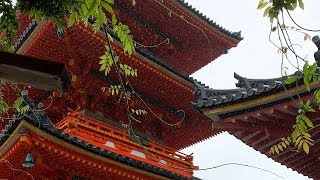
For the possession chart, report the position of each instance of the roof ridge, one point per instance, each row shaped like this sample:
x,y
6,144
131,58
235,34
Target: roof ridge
x,y
247,88
236,35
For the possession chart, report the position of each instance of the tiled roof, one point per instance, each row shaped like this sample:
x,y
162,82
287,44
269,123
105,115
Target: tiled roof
x,y
236,35
39,119
247,89
24,35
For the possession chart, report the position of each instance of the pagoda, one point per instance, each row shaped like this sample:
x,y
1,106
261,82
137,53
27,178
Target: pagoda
x,y
82,134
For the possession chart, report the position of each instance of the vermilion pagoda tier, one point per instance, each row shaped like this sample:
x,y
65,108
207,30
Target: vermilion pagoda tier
x,y
165,90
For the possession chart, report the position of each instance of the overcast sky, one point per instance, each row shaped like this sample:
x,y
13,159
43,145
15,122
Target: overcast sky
x,y
255,57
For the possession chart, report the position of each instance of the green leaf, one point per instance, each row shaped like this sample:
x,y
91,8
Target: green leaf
x,y
307,82
313,68
88,2
84,9
287,142
301,4
101,17
71,19
103,67
110,1
306,147
262,4
300,144
306,120
308,103
317,95
284,144
24,109
302,126
306,68
310,143
306,135
114,19
294,4
93,7
104,56
276,149
289,6
17,103
77,18
103,61
295,134
107,7
308,138
272,150
291,80
3,106
266,11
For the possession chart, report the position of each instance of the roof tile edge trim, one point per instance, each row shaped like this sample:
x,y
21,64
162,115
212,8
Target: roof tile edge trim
x,y
236,35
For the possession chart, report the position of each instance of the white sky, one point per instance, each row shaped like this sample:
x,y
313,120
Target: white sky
x,y
255,57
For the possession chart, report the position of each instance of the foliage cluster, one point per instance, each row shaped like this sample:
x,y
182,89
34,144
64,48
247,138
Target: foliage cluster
x,y
274,7
65,14
300,137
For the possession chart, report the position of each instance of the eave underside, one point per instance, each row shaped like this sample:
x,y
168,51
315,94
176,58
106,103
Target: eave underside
x,y
265,125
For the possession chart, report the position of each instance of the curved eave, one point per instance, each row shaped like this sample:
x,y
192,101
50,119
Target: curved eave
x,y
234,37
16,126
24,41
156,61
251,94
257,102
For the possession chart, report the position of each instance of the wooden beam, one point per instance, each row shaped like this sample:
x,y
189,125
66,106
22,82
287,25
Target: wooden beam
x,y
39,73
268,145
246,138
259,101
274,131
288,109
281,115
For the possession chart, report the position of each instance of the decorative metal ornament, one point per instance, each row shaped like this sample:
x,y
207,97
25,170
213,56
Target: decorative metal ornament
x,y
28,163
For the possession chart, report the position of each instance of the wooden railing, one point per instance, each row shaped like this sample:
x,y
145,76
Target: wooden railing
x,y
118,140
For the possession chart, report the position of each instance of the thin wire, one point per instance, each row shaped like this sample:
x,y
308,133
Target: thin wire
x,y
165,122
118,74
283,22
311,30
38,129
204,169
153,46
285,88
127,104
154,114
238,164
143,147
285,39
44,109
142,45
14,169
181,17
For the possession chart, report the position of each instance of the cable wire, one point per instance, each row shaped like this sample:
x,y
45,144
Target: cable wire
x,y
167,41
14,169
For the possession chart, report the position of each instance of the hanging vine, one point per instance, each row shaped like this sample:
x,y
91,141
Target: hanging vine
x,y
300,137
74,12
